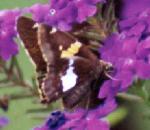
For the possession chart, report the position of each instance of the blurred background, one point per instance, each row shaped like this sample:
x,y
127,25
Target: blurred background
x,y
26,112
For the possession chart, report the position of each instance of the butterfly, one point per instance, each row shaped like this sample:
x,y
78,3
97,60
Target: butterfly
x,y
66,68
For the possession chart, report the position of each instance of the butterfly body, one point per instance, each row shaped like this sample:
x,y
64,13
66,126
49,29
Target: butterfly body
x,y
66,67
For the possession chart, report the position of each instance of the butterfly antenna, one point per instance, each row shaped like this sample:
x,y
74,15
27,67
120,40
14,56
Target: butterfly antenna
x,y
109,76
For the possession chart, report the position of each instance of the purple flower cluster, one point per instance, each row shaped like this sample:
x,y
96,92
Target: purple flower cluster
x,y
128,50
131,7
64,13
80,119
129,53
8,47
3,121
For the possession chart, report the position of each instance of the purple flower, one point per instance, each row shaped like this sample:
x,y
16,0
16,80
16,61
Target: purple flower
x,y
89,124
3,121
80,119
64,13
38,11
8,47
86,8
55,120
129,53
90,119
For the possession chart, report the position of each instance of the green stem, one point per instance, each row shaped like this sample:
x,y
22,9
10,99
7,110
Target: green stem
x,y
130,97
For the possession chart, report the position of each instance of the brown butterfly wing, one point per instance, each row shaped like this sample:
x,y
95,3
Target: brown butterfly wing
x,y
28,34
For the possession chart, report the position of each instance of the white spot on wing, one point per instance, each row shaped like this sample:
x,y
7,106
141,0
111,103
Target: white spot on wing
x,y
70,78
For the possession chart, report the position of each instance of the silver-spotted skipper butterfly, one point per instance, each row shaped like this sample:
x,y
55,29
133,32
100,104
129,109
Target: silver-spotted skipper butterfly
x,y
66,68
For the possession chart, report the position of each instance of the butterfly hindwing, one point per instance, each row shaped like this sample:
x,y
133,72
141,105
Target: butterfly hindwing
x,y
85,73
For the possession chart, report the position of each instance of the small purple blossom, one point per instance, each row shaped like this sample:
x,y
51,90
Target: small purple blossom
x,y
55,120
38,11
8,47
93,119
3,121
64,13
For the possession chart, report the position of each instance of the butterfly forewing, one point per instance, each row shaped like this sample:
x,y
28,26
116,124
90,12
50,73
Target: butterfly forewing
x,y
28,34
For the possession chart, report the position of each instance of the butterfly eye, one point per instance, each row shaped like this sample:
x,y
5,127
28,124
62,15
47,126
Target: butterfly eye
x,y
109,67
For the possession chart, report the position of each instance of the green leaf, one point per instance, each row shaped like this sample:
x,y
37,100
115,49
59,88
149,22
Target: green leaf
x,y
141,89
